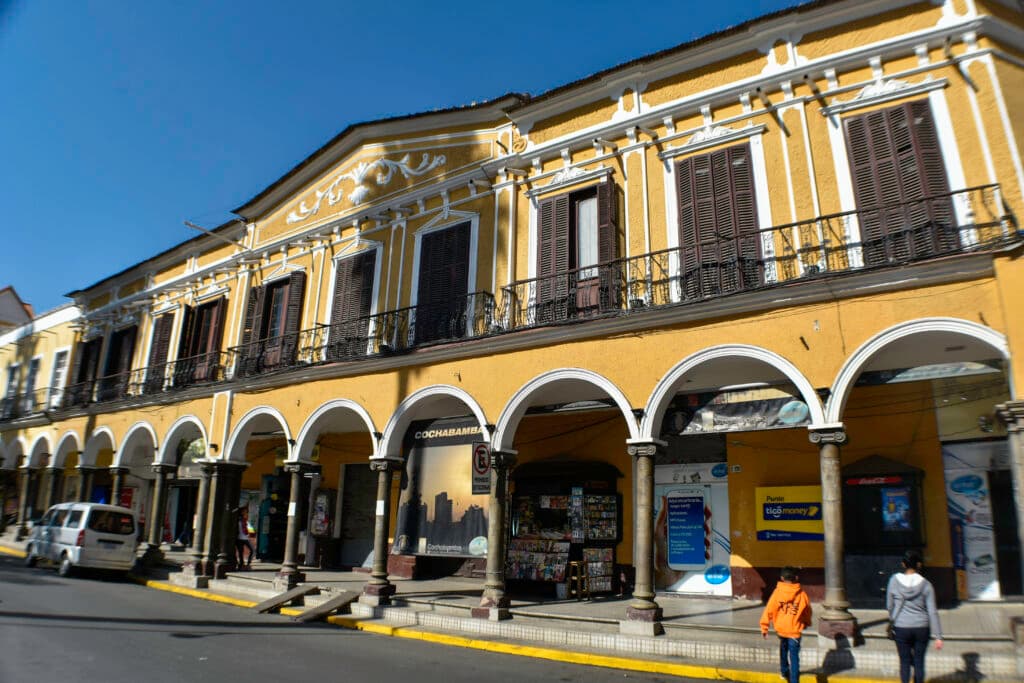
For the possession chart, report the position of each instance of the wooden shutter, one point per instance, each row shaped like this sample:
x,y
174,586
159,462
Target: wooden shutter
x,y
553,260
251,332
158,349
350,308
718,230
127,350
899,184
186,344
443,284
610,271
292,316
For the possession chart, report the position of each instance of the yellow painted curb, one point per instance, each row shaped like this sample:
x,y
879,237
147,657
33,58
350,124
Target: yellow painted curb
x,y
551,654
14,552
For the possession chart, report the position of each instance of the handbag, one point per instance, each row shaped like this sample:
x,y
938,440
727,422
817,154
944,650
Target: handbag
x,y
890,629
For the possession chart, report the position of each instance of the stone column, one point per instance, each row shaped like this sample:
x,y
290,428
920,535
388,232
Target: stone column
x,y
117,475
1012,414
835,619
153,554
494,603
643,616
27,475
85,475
193,572
228,492
378,590
53,494
288,576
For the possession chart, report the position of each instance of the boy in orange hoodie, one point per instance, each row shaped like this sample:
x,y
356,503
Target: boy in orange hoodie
x,y
790,610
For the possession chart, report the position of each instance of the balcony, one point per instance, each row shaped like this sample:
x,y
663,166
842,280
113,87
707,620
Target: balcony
x,y
384,333
959,222
27,404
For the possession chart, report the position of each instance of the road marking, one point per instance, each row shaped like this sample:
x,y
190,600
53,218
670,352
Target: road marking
x,y
4,550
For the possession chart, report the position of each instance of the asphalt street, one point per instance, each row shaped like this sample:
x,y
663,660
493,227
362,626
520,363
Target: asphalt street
x,y
97,628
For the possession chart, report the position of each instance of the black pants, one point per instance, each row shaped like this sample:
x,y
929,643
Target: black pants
x,y
240,547
911,644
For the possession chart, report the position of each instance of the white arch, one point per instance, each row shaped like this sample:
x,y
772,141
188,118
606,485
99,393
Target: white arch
x,y
14,450
38,451
94,443
61,453
667,388
309,432
520,402
391,443
242,431
847,376
164,453
139,428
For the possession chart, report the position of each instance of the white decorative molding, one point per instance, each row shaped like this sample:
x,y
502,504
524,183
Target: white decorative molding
x,y
569,176
211,292
386,169
883,91
708,137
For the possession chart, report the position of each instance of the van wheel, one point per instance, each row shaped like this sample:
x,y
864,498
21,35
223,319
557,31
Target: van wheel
x,y
65,568
30,558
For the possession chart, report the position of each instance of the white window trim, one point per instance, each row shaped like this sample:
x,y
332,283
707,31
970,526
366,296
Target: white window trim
x,y
35,381
58,391
753,135
443,221
17,380
882,91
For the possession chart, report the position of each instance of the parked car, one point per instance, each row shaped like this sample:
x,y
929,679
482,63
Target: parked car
x,y
89,535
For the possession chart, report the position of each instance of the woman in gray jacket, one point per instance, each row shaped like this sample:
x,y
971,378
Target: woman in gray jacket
x,y
910,599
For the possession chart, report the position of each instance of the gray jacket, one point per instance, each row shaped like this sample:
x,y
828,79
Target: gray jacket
x,y
910,600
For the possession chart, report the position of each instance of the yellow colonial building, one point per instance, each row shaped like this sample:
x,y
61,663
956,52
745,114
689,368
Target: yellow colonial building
x,y
747,302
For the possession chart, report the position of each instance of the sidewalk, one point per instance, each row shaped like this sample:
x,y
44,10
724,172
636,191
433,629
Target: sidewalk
x,y
705,638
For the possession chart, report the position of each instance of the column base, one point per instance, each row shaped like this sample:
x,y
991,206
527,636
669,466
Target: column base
x,y
377,594
285,581
836,629
152,557
190,576
642,622
492,609
21,534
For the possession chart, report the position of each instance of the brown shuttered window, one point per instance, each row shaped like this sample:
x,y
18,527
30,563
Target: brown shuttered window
x,y
86,365
900,184
719,244
294,295
158,349
350,307
118,365
199,350
577,243
443,284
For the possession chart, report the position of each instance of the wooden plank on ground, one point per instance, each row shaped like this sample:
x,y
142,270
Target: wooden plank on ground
x,y
338,602
286,597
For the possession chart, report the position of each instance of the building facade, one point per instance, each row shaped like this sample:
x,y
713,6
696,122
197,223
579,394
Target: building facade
x,y
747,302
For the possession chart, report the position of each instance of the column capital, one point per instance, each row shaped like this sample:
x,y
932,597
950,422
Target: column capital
x,y
831,434
119,470
503,460
86,468
384,464
163,468
1011,414
301,467
645,448
54,468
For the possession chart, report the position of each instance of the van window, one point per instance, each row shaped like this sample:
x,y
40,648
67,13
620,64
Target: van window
x,y
45,519
74,519
59,517
110,522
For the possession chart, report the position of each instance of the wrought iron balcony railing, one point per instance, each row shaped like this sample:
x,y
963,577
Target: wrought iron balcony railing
x,y
25,403
891,235
383,333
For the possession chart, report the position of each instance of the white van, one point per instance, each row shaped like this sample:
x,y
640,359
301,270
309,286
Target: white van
x,y
84,535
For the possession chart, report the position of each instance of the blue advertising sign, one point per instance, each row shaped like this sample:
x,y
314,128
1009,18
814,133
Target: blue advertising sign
x,y
686,531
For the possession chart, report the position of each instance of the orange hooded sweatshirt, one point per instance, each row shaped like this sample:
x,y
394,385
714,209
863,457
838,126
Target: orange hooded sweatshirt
x,y
790,610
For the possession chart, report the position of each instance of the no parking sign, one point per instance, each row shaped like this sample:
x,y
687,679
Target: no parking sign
x,y
481,468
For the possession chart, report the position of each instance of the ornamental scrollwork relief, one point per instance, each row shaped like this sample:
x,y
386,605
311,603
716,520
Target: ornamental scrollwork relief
x,y
385,168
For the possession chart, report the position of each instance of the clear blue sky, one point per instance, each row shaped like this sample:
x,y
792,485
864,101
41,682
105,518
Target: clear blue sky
x,y
120,120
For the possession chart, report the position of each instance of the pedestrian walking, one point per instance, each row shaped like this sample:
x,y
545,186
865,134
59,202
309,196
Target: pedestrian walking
x,y
789,610
910,600
242,541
